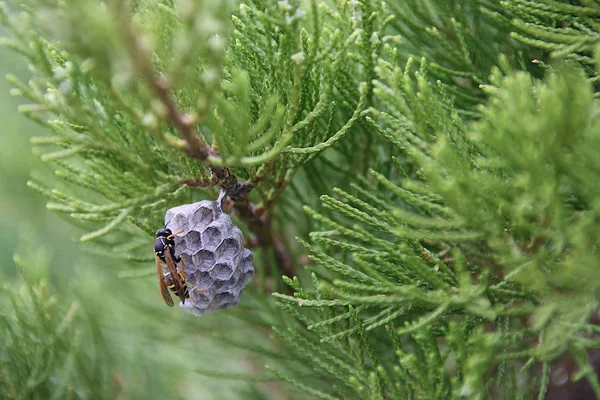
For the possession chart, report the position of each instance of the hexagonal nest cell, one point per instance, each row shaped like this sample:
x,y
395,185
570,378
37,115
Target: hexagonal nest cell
x,y
217,266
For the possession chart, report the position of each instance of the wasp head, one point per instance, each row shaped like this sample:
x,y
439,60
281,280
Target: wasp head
x,y
163,232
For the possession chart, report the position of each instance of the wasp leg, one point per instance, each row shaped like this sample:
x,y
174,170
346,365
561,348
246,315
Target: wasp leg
x,y
183,278
196,288
187,283
190,298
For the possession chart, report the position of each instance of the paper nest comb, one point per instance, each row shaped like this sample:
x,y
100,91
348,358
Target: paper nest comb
x,y
212,248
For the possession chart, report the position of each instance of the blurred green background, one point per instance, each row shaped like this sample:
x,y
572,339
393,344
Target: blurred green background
x,y
20,208
152,348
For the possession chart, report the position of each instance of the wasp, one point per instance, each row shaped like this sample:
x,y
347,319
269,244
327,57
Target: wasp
x,y
173,279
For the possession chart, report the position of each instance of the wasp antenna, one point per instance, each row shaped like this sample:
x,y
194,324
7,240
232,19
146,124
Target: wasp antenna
x,y
171,236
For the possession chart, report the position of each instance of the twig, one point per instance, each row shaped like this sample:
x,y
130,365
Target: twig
x,y
260,225
194,144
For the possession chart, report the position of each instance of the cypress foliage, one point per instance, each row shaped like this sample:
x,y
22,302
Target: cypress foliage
x,y
418,178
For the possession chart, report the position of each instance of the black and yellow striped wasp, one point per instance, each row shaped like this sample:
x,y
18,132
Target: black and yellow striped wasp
x,y
172,278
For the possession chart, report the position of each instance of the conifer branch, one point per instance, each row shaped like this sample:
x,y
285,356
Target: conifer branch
x,y
458,223
193,142
195,146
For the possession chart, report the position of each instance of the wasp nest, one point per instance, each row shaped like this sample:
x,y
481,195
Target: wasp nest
x,y
212,249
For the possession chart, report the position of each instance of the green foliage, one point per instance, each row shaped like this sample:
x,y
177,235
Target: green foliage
x,y
495,228
44,352
452,146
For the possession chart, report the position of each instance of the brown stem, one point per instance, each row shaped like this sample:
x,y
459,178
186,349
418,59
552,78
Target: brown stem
x,y
195,145
261,226
193,142
282,256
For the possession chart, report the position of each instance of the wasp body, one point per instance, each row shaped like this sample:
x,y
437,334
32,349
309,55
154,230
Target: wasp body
x,y
172,279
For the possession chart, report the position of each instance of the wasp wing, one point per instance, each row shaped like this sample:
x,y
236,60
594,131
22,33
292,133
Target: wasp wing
x,y
178,280
164,291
